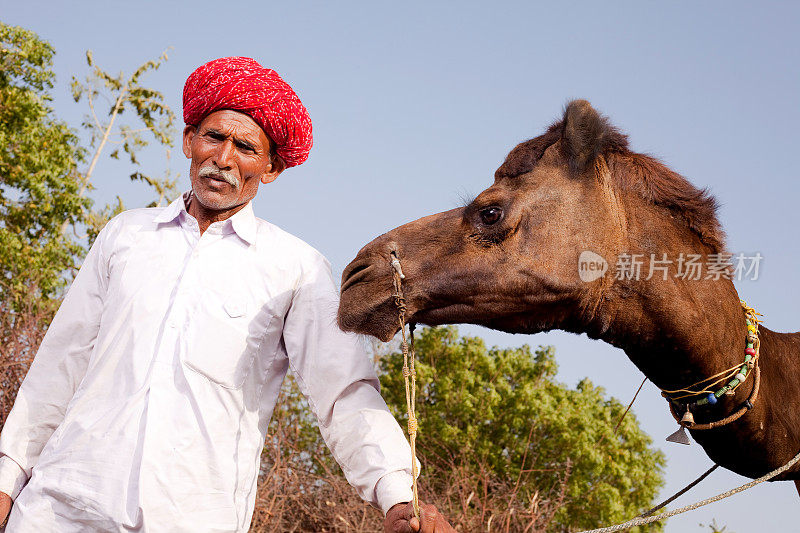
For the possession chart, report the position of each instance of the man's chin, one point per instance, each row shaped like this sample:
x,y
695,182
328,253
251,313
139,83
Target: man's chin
x,y
216,201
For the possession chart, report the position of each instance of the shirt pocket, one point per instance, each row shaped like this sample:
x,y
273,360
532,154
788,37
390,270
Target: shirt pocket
x,y
226,335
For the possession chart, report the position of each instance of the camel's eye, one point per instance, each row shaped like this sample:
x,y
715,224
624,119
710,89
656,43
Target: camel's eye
x,y
491,215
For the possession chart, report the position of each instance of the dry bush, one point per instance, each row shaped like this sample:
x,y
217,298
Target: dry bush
x,y
22,328
301,489
300,486
474,498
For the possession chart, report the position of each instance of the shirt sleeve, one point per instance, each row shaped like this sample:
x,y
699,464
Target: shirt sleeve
x,y
334,372
54,374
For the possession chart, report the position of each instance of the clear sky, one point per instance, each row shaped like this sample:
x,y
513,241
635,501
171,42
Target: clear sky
x,y
415,104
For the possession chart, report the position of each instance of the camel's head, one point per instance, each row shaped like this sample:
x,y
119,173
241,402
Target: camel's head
x,y
527,253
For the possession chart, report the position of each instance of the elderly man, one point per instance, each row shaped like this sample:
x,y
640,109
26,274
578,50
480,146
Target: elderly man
x,y
147,405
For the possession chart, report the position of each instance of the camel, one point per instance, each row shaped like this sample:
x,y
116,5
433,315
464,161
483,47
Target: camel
x,y
520,257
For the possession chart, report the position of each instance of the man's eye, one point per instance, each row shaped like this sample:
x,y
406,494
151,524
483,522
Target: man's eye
x,y
491,215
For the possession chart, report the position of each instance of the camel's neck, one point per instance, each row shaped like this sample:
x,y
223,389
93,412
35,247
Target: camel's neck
x,y
675,328
675,331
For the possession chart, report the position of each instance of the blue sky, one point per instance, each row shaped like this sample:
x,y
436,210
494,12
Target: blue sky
x,y
415,104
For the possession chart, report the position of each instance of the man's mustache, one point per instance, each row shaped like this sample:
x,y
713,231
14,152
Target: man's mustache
x,y
217,173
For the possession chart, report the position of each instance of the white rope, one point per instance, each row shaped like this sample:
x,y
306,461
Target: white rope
x,y
640,521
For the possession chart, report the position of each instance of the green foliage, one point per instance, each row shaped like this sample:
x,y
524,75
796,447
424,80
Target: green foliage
x,y
39,184
295,427
503,408
149,114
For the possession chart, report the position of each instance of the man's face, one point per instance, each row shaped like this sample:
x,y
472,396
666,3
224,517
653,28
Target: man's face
x,y
230,155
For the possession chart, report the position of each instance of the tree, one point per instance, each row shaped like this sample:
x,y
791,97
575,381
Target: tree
x,y
39,181
121,94
502,410
39,185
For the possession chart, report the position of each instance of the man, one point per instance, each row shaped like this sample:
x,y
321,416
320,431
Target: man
x,y
147,405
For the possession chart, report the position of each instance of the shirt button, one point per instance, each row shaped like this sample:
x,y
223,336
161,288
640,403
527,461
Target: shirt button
x,y
172,324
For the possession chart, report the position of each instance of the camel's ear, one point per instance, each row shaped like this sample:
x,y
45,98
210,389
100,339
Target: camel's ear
x,y
587,134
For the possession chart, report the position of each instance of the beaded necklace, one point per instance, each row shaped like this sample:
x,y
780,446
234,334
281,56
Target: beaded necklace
x,y
735,376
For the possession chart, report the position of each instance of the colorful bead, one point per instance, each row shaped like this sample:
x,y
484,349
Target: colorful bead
x,y
750,358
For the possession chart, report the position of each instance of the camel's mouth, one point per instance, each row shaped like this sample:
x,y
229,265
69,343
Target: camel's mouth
x,y
360,312
446,314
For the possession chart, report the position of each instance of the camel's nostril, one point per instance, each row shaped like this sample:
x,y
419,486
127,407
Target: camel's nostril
x,y
353,273
357,269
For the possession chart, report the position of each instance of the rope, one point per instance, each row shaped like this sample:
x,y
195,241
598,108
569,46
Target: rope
x,y
629,405
730,372
752,337
680,493
409,375
753,321
646,518
748,404
621,418
640,521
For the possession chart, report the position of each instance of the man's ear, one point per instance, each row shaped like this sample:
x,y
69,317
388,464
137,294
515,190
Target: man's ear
x,y
188,135
276,166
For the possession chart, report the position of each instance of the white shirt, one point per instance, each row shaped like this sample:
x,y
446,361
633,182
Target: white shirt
x,y
147,404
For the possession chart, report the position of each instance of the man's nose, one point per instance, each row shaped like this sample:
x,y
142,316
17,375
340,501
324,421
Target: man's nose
x,y
223,157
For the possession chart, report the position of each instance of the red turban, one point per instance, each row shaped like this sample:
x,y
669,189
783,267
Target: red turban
x,y
241,84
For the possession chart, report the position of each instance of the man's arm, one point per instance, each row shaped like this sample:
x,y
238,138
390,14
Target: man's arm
x,y
54,375
335,374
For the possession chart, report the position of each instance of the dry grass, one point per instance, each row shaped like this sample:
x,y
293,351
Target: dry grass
x,y
300,489
22,328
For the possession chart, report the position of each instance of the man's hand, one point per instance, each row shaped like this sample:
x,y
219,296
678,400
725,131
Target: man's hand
x,y
5,506
401,519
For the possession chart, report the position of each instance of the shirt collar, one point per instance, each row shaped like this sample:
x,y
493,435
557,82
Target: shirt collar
x,y
243,222
171,212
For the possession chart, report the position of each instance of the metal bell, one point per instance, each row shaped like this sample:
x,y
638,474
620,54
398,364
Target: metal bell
x,y
688,419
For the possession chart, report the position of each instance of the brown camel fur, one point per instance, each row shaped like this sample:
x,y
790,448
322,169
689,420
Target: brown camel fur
x,y
509,261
